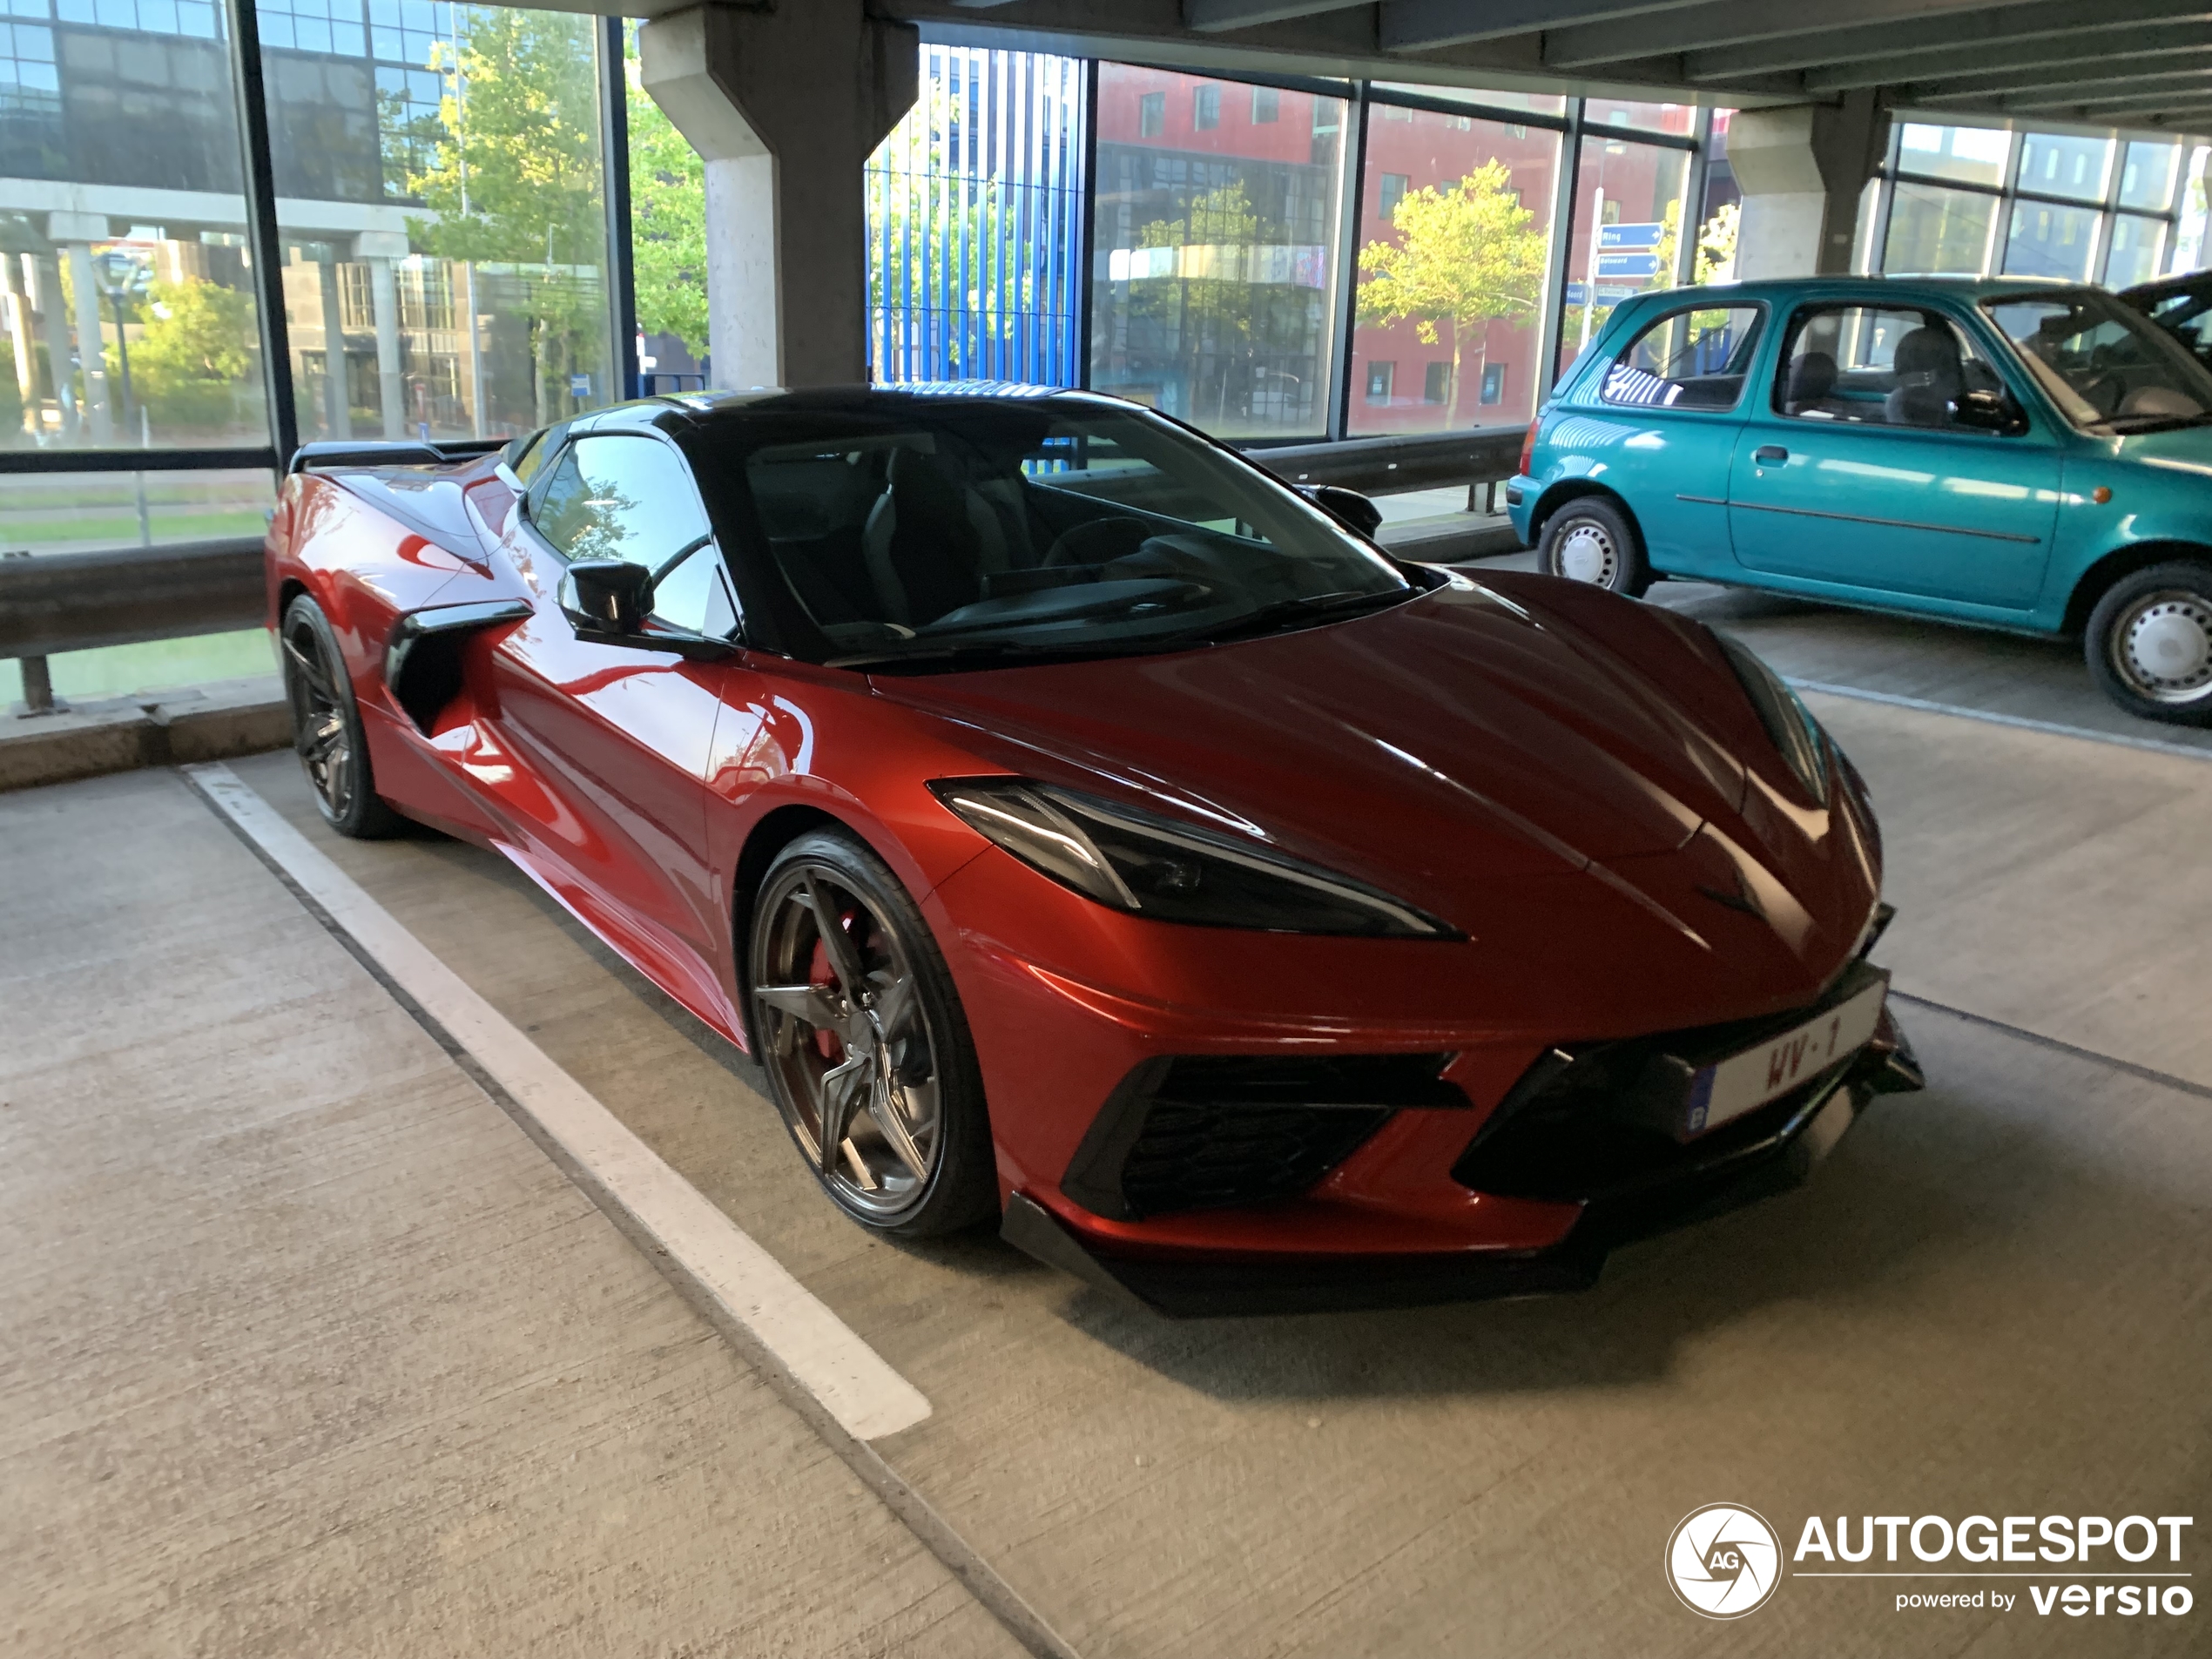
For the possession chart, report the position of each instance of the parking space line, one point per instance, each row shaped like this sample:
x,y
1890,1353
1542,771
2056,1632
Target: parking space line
x,y
858,1388
2185,750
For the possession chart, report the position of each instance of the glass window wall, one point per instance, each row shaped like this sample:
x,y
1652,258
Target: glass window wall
x,y
2057,163
2137,242
1969,155
2071,206
1535,102
441,201
1455,243
2049,241
1627,230
2146,177
1934,231
1214,253
1679,118
124,284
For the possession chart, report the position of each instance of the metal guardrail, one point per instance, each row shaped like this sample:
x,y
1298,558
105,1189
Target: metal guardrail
x,y
64,602
1390,466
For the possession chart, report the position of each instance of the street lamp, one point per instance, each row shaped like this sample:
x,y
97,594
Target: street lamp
x,y
121,278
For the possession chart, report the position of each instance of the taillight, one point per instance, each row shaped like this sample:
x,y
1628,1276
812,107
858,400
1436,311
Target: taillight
x,y
1528,447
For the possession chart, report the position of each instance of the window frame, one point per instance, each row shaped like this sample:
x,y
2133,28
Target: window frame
x,y
576,433
1593,380
1997,353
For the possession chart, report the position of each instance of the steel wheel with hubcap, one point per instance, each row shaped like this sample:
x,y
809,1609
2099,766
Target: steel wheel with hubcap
x,y
867,1053
1591,540
2150,642
326,724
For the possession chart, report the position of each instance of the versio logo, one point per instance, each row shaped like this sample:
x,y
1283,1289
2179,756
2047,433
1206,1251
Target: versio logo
x,y
1724,1561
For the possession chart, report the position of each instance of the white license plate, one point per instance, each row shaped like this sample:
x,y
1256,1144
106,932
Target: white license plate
x,y
1743,1082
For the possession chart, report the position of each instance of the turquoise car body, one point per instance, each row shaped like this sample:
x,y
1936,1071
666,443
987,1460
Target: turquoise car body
x,y
2002,530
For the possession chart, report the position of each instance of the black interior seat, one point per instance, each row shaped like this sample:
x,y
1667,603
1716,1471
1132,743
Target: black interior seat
x,y
929,541
1928,381
1813,378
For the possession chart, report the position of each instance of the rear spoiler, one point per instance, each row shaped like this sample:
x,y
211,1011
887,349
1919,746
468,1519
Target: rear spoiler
x,y
390,452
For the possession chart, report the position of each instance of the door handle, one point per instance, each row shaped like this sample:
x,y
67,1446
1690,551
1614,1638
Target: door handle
x,y
1769,454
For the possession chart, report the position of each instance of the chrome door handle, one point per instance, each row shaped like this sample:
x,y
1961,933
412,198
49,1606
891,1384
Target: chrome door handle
x,y
1769,454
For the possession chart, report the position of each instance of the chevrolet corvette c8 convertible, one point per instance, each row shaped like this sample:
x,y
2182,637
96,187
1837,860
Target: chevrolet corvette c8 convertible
x,y
1086,830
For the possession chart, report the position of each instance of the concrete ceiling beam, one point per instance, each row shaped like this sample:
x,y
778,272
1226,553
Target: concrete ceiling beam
x,y
2124,40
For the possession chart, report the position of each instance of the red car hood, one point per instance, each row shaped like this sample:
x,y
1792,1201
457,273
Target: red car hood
x,y
1473,737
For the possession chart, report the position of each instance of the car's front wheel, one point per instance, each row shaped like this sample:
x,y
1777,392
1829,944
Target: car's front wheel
x,y
867,1051
1592,540
2150,642
327,725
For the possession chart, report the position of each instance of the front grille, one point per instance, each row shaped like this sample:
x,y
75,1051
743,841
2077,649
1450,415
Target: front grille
x,y
1215,1132
1599,1121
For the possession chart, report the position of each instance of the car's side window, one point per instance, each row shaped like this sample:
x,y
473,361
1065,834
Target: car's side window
x,y
1696,358
1895,366
622,496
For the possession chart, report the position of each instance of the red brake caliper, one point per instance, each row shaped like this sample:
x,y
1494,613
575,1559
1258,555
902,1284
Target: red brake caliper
x,y
828,1043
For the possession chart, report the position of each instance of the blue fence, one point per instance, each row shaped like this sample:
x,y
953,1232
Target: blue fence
x,y
975,208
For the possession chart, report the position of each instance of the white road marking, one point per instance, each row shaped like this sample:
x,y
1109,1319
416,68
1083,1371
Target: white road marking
x,y
852,1382
2185,750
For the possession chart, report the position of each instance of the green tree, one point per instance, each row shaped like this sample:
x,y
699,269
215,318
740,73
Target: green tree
x,y
197,348
1466,255
515,177
667,223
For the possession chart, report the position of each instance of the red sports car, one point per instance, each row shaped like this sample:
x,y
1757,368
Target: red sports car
x,y
1083,828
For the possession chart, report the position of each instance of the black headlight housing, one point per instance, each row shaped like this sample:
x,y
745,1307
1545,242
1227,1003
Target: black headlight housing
x,y
1137,861
1797,736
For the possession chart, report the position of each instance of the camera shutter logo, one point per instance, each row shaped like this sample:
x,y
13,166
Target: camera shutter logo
x,y
1724,1561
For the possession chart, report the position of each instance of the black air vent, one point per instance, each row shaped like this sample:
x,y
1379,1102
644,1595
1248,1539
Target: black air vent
x,y
1216,1132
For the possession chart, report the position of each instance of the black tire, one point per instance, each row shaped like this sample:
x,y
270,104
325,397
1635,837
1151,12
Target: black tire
x,y
898,1065
326,727
1591,539
2150,642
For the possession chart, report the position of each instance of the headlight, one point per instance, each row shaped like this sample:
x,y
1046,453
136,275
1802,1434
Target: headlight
x,y
1151,866
1796,734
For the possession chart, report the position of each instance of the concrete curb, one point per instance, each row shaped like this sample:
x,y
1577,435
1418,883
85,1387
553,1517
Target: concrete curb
x,y
211,722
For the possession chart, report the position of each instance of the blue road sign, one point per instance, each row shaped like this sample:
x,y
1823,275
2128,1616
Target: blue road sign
x,y
1627,264
1628,236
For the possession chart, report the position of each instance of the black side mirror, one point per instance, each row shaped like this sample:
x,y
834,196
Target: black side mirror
x,y
1988,411
608,603
607,596
1347,507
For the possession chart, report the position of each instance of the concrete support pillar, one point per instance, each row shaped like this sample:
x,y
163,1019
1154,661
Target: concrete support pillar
x,y
91,342
14,313
374,248
45,275
1801,170
338,421
785,103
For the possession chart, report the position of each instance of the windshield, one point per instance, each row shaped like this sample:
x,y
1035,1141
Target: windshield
x,y
2104,364
923,529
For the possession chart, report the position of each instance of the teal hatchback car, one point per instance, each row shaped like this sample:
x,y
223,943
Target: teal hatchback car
x,y
1999,452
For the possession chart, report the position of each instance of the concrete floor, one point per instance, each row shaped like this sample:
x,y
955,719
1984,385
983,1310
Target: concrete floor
x,y
1994,1299
305,1348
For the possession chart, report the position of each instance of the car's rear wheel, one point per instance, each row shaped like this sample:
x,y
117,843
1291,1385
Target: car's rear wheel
x,y
1592,540
327,725
867,1052
2150,642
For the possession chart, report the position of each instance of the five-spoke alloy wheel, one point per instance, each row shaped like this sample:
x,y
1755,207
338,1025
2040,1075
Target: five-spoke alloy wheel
x,y
2150,642
867,1052
327,725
